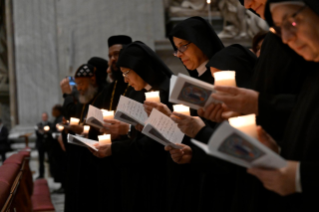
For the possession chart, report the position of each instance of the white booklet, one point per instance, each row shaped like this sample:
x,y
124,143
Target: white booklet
x,y
95,117
234,146
130,111
192,92
163,129
80,141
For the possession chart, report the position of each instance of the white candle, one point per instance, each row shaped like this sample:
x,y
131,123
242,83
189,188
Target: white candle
x,y
108,114
46,128
59,127
74,121
225,78
246,124
86,129
104,139
153,96
181,109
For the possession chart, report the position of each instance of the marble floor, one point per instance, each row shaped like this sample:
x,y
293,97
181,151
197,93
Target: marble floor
x,y
57,199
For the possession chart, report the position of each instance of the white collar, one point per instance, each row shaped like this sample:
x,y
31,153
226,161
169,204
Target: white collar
x,y
202,68
148,87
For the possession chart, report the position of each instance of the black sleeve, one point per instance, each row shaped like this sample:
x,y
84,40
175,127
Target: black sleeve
x,y
204,134
140,150
203,162
309,175
274,112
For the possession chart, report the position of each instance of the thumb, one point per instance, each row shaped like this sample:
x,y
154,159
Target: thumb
x,y
262,135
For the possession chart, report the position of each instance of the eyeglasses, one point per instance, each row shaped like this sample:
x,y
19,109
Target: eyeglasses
x,y
289,24
126,73
181,49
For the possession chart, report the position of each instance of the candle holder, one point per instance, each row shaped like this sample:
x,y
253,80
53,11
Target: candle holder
x,y
182,109
246,124
153,96
74,121
108,114
86,129
104,139
225,78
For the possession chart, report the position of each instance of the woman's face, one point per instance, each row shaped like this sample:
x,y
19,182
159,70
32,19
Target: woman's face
x,y
133,79
257,5
193,57
302,35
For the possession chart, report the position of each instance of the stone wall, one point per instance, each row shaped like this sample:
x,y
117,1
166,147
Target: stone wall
x,y
37,74
84,27
53,35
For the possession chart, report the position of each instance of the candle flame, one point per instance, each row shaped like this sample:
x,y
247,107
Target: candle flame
x,y
208,1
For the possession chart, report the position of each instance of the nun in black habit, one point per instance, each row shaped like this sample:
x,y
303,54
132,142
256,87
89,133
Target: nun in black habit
x,y
143,158
218,183
195,42
278,79
300,141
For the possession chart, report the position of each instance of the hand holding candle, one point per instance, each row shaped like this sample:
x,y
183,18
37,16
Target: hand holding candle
x,y
152,96
74,121
104,139
182,109
246,124
225,78
46,128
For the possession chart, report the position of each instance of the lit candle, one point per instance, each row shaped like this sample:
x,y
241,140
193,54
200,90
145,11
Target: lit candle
x,y
86,129
74,121
181,109
46,128
225,78
153,96
59,127
104,139
246,124
108,114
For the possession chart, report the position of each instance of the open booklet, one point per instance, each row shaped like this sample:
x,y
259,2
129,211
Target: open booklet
x,y
80,141
95,117
190,91
130,111
234,146
163,129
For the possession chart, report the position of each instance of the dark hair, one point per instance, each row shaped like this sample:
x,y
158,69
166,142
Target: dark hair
x,y
257,38
58,107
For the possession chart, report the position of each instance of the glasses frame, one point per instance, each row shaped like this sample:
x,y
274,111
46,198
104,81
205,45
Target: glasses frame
x,y
181,49
290,24
126,73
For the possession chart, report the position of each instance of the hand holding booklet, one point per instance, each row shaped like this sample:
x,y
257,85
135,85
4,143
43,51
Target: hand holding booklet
x,y
163,129
80,141
234,146
192,92
130,111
